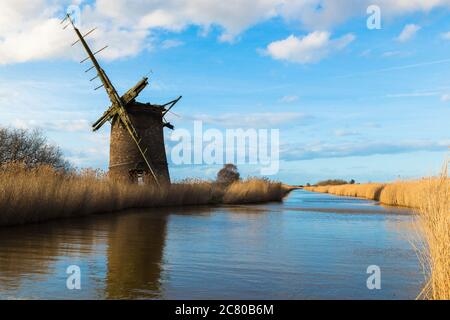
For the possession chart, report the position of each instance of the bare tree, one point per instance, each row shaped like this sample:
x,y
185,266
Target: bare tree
x,y
228,174
30,148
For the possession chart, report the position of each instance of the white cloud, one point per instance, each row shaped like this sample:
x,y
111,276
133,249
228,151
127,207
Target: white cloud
x,y
397,68
389,54
360,149
93,153
408,32
308,49
30,30
289,99
413,94
171,43
78,125
446,35
345,133
41,41
250,120
445,97
324,14
227,37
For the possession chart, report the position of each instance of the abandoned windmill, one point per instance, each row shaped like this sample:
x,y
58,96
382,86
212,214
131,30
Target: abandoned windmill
x,y
137,151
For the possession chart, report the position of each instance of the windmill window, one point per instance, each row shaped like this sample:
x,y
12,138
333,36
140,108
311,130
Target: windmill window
x,y
140,178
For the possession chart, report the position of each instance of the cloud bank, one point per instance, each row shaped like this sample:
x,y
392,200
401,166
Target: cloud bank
x,y
250,120
30,30
325,151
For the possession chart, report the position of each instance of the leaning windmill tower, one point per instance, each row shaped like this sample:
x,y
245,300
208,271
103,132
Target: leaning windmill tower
x,y
137,152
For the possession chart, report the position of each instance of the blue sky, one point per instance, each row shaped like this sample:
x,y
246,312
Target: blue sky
x,y
349,102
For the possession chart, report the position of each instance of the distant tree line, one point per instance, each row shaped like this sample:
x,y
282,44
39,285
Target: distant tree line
x,y
31,148
334,182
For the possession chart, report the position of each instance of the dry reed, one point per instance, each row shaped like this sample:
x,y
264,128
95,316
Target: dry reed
x,y
368,191
399,193
33,195
253,191
434,223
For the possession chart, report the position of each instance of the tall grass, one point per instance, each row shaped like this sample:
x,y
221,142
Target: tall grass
x,y
368,191
405,193
430,198
400,193
32,195
434,223
253,191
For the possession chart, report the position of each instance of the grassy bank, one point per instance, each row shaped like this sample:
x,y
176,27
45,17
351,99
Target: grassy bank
x,y
32,195
430,198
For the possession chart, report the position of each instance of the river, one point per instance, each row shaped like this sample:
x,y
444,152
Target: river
x,y
312,246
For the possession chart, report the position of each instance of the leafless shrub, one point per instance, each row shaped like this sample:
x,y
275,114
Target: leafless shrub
x,y
30,148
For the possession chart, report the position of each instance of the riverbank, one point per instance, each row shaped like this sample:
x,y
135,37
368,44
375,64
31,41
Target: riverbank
x,y
40,194
410,194
430,198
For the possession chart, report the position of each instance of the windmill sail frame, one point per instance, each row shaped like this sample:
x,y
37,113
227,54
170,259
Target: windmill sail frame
x,y
118,105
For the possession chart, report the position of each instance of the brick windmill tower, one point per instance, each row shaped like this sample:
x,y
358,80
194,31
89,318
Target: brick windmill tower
x,y
137,152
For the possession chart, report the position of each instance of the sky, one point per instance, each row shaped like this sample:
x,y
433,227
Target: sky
x,y
349,101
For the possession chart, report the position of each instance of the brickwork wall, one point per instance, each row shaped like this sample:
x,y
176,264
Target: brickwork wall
x,y
124,154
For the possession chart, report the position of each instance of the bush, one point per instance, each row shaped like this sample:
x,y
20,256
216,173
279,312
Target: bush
x,y
228,174
31,149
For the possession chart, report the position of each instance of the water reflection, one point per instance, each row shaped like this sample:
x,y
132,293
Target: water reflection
x,y
30,252
121,253
311,246
133,246
135,253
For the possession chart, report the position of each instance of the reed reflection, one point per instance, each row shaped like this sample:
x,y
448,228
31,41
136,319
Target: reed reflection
x,y
31,251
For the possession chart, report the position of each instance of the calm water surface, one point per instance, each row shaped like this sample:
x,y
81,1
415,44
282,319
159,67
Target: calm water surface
x,y
313,246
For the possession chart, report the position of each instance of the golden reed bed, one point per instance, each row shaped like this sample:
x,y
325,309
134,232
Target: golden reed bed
x,y
430,198
33,195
